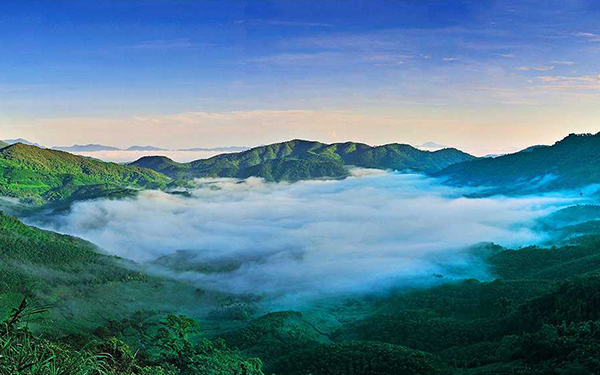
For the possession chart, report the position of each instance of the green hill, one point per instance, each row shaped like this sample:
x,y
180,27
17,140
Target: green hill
x,y
568,164
300,160
39,176
3,144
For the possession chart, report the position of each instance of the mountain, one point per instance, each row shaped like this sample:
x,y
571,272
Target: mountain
x,y
145,148
568,164
39,176
301,160
23,141
3,144
86,148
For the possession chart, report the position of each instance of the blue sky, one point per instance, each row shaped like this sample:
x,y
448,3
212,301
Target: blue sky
x,y
480,75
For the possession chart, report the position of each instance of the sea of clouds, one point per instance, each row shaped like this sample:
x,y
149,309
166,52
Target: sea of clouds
x,y
375,229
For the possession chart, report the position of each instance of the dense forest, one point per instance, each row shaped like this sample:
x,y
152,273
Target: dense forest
x,y
40,176
568,164
302,160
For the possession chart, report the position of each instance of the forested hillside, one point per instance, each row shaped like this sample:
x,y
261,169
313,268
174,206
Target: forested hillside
x,y
40,176
67,292
301,160
568,164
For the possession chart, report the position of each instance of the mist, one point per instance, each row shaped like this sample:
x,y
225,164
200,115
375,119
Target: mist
x,y
371,231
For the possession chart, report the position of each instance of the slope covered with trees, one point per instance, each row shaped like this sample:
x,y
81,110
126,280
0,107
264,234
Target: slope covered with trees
x,y
39,176
62,287
568,164
301,160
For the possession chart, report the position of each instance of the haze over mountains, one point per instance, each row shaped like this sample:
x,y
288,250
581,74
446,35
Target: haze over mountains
x,y
98,147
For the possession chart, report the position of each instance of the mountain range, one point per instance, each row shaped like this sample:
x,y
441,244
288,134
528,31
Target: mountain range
x,y
86,148
300,160
536,314
19,140
92,147
45,176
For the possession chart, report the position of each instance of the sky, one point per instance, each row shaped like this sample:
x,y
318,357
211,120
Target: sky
x,y
485,76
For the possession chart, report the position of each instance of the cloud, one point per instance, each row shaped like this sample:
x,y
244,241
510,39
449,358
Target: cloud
x,y
588,36
449,59
124,156
166,44
295,23
563,62
300,58
369,231
535,68
588,82
283,23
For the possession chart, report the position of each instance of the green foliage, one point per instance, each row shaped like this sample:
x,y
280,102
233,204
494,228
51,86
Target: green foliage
x,y
22,353
32,259
203,358
39,176
364,358
301,160
568,164
274,336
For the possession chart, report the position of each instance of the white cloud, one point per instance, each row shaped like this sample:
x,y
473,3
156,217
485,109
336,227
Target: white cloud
x,y
589,82
535,68
563,62
588,36
371,230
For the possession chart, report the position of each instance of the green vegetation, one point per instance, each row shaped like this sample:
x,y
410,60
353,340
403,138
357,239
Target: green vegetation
x,y
23,353
77,286
301,160
537,314
568,164
42,176
365,358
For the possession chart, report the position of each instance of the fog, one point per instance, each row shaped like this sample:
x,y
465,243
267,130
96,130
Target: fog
x,y
124,156
372,230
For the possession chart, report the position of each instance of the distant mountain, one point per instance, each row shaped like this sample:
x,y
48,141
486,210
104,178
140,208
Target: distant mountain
x,y
23,141
301,160
86,148
570,163
3,144
42,176
218,149
145,148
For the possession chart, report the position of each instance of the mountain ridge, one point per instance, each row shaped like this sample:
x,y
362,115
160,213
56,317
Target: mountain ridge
x,y
569,163
42,176
299,159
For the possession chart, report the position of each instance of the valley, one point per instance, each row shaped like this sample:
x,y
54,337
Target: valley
x,y
488,304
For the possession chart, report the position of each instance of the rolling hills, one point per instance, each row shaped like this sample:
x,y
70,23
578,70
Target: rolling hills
x,y
568,164
301,160
42,176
